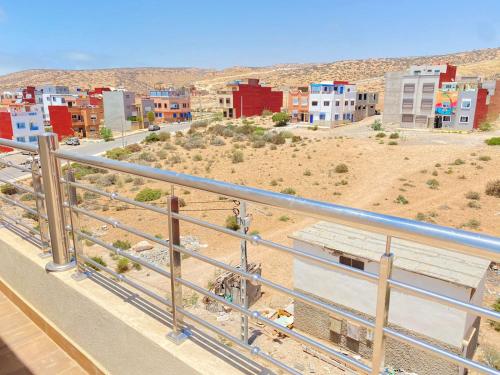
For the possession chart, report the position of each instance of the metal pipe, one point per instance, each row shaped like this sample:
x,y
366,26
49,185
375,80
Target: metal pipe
x,y
14,202
40,207
47,145
382,309
19,145
74,220
12,165
469,243
18,221
438,352
21,187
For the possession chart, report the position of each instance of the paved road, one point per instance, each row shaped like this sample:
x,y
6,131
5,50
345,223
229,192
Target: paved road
x,y
86,148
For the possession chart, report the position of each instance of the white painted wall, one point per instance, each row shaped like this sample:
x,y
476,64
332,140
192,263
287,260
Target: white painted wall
x,y
33,125
428,318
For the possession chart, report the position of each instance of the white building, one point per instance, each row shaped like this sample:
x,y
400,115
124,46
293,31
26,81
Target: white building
x,y
27,124
448,273
331,102
119,107
51,95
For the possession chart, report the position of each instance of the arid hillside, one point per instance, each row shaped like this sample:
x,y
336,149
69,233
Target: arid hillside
x,y
368,73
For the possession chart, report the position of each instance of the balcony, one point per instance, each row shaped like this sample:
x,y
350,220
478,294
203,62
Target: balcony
x,y
146,320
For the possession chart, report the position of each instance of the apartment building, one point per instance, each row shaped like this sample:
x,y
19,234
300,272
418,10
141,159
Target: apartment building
x,y
143,107
332,102
95,95
438,270
119,110
51,95
248,98
366,103
21,123
298,104
171,105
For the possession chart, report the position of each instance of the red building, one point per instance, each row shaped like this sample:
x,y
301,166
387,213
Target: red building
x,y
95,95
60,120
5,129
481,112
29,95
249,99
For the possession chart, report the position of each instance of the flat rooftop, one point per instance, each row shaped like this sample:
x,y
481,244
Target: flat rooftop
x,y
430,261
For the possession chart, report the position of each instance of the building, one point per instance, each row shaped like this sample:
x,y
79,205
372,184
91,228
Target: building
x,y
445,272
298,104
332,103
95,95
143,107
366,103
119,110
61,121
171,105
22,123
248,98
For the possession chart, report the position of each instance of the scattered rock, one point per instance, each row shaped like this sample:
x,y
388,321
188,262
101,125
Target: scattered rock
x,y
142,246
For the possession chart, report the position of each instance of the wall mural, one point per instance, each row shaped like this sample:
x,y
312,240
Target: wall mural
x,y
446,102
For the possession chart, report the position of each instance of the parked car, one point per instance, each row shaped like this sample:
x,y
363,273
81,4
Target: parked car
x,y
153,127
73,141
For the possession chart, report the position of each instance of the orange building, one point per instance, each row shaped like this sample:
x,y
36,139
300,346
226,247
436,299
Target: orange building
x,y
298,104
171,105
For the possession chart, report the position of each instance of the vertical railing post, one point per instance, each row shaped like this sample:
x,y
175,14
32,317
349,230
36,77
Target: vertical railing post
x,y
177,335
243,222
40,207
75,223
61,261
382,309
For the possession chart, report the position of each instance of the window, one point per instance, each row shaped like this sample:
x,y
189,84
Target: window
x,y
407,118
364,97
295,101
322,116
228,100
346,103
352,102
428,88
21,139
426,104
326,103
337,103
464,119
221,101
420,119
446,118
33,126
314,103
21,125
360,96
32,138
93,117
466,103
304,101
165,105
407,103
336,116
409,88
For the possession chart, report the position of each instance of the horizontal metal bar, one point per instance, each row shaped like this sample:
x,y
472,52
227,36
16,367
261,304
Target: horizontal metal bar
x,y
296,336
258,279
19,145
452,302
117,224
8,163
18,221
122,253
469,243
450,357
21,205
126,280
22,187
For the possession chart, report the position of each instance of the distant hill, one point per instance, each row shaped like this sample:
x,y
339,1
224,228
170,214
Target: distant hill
x,y
368,73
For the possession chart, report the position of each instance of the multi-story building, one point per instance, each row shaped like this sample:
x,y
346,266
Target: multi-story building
x,y
298,104
51,95
171,105
438,270
143,107
119,110
332,102
21,123
95,95
366,103
248,98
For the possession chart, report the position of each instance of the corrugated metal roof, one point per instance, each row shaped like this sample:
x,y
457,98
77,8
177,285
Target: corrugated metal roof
x,y
426,260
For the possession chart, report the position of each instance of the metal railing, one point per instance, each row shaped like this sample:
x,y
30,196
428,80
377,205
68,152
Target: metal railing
x,y
65,230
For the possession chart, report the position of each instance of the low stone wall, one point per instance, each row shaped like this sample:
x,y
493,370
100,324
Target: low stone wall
x,y
398,355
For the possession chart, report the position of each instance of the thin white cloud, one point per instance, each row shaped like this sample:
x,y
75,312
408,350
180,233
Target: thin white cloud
x,y
78,56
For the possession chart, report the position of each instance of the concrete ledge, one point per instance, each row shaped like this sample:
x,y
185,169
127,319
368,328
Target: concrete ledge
x,y
103,321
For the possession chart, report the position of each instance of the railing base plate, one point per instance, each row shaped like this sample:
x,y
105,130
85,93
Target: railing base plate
x,y
45,255
79,276
179,338
52,267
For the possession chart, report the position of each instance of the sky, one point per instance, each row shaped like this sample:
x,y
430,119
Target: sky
x,y
217,34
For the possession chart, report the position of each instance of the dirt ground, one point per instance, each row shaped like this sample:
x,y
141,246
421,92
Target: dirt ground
x,y
418,175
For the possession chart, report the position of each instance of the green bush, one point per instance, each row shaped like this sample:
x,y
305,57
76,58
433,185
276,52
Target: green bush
x,y
123,265
8,189
148,195
493,188
394,136
380,135
377,125
134,147
495,141
197,157
484,158
284,218
122,244
27,197
106,134
164,136
82,170
275,138
341,168
280,119
237,156
98,260
232,222
401,200
485,127
118,153
458,162
433,183
152,137
392,143
473,195
289,190
472,224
